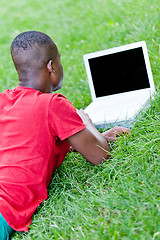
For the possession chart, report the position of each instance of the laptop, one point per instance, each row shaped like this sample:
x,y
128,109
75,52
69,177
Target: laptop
x,y
121,83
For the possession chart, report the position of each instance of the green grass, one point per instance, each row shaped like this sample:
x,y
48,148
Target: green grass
x,y
119,199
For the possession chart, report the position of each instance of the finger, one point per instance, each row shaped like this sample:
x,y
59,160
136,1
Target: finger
x,y
111,139
122,130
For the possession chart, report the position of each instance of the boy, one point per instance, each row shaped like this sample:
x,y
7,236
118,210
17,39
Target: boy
x,y
37,130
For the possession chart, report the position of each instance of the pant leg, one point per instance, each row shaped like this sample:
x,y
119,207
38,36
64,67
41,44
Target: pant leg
x,y
5,229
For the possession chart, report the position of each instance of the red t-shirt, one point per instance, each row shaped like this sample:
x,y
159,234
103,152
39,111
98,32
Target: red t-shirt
x,y
33,129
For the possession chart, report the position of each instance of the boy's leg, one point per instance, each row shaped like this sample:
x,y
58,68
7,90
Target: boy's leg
x,y
5,229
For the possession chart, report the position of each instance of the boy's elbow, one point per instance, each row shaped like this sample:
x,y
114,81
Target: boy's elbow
x,y
100,156
99,160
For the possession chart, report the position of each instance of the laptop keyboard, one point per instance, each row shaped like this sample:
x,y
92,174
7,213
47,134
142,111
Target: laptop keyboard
x,y
99,109
104,107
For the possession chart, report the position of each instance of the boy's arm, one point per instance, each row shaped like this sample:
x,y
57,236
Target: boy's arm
x,y
91,143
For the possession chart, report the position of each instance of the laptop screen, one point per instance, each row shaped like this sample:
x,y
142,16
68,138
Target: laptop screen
x,y
119,72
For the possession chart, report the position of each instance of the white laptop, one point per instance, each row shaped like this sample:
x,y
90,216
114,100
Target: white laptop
x,y
120,81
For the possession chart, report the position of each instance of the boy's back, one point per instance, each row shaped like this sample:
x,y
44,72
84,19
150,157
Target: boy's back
x,y
29,149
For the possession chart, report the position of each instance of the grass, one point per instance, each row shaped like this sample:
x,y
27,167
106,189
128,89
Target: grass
x,y
118,199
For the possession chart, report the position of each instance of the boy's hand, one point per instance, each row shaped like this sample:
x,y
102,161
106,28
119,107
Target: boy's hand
x,y
114,132
111,134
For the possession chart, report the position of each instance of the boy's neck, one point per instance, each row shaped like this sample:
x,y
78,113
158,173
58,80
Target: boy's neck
x,y
35,81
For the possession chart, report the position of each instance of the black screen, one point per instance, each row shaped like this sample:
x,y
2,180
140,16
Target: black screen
x,y
119,72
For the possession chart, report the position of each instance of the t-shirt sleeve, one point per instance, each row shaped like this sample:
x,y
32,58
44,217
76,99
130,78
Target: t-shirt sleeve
x,y
64,120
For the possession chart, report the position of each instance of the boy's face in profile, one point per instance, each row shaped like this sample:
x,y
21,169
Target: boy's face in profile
x,y
58,74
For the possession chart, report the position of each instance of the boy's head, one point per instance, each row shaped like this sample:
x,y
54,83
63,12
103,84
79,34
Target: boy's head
x,y
36,58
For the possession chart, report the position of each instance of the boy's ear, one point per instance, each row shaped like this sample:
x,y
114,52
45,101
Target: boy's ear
x,y
50,67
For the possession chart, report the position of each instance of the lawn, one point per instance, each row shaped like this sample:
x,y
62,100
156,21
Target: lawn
x,y
119,199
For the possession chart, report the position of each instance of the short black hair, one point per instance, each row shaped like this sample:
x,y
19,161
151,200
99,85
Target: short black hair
x,y
32,46
27,40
